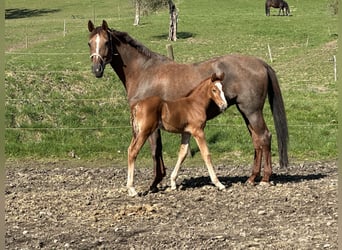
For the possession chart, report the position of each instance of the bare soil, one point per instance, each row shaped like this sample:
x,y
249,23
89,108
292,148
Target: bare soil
x,y
84,205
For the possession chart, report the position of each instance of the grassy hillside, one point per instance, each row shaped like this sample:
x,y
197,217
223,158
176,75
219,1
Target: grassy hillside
x,y
55,108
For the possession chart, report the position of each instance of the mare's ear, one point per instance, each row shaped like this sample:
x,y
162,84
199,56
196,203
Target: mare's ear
x,y
90,26
104,25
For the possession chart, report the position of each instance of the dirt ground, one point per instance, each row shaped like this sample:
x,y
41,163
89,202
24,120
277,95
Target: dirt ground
x,y
77,205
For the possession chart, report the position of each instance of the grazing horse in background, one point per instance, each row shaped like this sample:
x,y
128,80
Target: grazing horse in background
x,y
282,5
186,115
248,81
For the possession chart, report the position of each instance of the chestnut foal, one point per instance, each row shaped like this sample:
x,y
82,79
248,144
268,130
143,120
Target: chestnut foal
x,y
186,116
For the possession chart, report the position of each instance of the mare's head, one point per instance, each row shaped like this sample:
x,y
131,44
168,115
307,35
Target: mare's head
x,y
215,91
100,45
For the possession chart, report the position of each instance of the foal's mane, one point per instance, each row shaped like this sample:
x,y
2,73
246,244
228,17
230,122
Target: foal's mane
x,y
123,37
198,87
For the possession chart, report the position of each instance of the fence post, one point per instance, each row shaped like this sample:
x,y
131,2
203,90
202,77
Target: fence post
x,y
269,52
335,68
170,51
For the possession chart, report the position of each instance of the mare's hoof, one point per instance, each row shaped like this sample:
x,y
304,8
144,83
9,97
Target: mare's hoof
x,y
154,190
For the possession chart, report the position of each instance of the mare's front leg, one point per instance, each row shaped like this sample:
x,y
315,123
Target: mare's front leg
x,y
202,144
183,151
137,142
157,156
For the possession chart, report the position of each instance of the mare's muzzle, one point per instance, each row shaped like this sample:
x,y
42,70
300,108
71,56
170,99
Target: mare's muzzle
x,y
98,69
98,64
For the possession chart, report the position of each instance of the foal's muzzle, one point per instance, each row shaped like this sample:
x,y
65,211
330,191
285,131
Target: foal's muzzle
x,y
223,106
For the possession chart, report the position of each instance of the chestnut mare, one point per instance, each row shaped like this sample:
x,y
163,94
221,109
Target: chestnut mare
x,y
281,4
247,83
186,115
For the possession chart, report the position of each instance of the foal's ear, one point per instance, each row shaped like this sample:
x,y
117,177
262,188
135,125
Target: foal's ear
x,y
220,76
104,25
90,26
215,77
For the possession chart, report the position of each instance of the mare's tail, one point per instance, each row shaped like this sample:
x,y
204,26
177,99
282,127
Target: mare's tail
x,y
279,116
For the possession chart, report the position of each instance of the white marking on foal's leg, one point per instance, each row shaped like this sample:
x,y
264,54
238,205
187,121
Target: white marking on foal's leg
x,y
181,157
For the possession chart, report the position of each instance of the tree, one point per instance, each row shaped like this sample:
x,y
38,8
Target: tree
x,y
137,12
173,21
146,6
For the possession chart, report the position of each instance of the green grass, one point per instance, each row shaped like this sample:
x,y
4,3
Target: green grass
x,y
54,105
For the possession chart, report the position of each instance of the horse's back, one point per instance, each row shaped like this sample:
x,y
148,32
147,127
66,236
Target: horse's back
x,y
245,79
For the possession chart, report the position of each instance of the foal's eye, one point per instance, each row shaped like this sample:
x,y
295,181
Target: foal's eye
x,y
89,44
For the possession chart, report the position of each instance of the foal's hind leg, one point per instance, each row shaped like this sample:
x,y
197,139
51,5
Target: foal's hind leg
x,y
183,151
262,147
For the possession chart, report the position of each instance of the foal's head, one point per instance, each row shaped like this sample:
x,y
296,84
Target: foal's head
x,y
100,45
215,91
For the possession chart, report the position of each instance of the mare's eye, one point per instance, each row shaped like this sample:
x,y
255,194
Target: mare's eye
x,y
89,44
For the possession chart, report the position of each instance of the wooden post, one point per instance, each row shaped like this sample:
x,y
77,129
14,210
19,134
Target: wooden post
x,y
169,49
173,21
335,68
64,30
26,37
269,52
137,12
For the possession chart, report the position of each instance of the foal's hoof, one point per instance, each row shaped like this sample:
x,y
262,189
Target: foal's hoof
x,y
132,192
250,183
220,186
267,183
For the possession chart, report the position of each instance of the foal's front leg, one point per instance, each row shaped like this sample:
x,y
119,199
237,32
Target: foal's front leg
x,y
183,151
202,144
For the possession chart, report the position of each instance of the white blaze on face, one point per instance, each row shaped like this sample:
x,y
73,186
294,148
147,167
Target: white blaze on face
x,y
219,86
97,42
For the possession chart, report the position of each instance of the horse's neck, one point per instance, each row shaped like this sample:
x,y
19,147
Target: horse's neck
x,y
127,62
200,95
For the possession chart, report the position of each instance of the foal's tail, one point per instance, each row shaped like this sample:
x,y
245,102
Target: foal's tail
x,y
279,116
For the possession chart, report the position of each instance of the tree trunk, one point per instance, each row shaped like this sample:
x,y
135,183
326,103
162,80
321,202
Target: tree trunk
x,y
137,12
173,21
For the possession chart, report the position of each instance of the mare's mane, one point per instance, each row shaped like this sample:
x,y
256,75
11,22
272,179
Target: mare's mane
x,y
123,37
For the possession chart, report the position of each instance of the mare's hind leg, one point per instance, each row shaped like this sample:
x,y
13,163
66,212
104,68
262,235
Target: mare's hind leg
x,y
183,151
157,156
202,144
261,138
